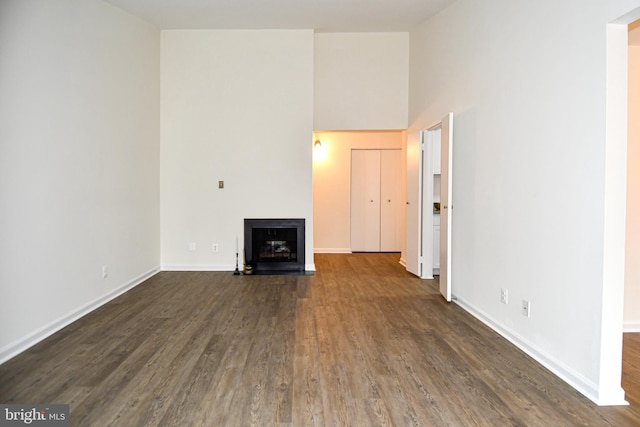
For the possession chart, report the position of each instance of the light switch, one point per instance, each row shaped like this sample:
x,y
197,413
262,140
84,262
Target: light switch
x,y
220,184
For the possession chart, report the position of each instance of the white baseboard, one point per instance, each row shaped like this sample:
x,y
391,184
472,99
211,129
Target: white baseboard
x,y
632,326
585,386
201,267
11,350
403,262
332,250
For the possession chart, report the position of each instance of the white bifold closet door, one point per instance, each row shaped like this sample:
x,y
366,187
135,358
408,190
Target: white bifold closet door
x,y
391,202
376,204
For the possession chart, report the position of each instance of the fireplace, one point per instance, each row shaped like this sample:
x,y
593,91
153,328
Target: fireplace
x,y
274,246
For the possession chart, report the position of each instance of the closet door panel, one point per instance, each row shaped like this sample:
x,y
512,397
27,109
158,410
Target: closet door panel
x,y
391,203
365,200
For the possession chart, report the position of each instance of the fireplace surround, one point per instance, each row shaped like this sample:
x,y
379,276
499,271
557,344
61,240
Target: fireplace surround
x,y
275,245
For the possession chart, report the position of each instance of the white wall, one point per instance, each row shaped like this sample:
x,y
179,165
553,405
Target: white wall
x,y
236,106
332,184
526,83
632,258
79,155
361,81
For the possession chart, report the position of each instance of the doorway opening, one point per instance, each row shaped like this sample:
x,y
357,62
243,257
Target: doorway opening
x,y
332,183
632,232
615,202
435,205
631,325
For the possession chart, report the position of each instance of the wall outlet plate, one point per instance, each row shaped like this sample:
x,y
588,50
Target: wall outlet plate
x,y
526,308
504,296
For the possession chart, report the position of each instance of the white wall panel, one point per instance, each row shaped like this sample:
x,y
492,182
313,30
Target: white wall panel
x,y
237,106
79,161
361,81
523,80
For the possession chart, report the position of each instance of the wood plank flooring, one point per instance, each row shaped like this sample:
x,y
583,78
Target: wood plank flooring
x,y
360,343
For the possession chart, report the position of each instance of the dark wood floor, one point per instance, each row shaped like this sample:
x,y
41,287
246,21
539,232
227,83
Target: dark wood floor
x,y
360,343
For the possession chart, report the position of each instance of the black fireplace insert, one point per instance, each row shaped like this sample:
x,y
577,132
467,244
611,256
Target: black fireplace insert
x,y
274,246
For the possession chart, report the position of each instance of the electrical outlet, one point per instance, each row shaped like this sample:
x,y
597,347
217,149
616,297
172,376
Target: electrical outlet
x,y
504,296
526,308
192,246
215,247
105,271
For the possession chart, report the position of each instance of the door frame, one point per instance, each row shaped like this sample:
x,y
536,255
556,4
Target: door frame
x,y
446,200
428,137
610,391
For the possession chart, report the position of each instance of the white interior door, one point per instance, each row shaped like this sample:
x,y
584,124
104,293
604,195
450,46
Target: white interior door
x,y
391,201
446,208
431,138
413,212
365,200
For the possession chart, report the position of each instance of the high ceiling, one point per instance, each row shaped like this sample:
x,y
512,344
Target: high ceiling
x,y
321,15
